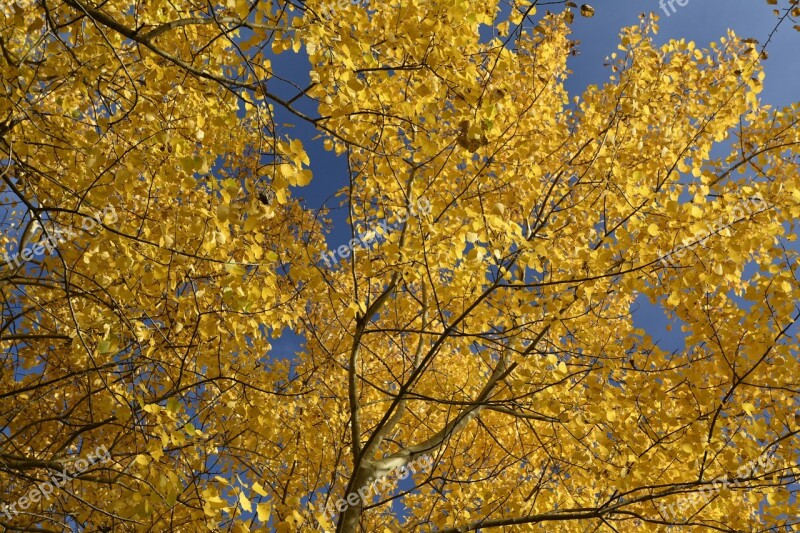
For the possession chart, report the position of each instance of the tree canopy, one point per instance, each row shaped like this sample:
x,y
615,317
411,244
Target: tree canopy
x,y
470,360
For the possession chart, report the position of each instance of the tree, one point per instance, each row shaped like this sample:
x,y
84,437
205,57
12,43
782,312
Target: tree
x,y
477,329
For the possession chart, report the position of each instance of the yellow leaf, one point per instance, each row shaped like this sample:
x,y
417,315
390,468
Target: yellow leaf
x,y
287,171
303,177
324,522
298,517
264,510
250,223
259,489
245,502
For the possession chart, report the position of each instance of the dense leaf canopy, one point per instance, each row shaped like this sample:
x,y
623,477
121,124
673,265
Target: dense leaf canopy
x,y
478,328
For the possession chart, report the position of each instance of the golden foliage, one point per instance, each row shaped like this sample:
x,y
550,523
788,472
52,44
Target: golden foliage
x,y
493,333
